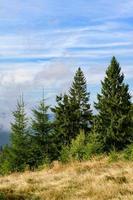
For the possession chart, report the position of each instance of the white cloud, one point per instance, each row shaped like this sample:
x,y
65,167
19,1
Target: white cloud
x,y
17,76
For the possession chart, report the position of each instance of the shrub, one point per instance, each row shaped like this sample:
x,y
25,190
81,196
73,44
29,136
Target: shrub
x,y
113,156
77,148
128,153
92,147
65,154
81,148
5,164
2,196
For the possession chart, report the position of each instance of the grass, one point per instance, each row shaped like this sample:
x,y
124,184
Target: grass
x,y
97,179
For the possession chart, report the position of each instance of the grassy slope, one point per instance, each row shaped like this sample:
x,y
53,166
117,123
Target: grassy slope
x,y
93,180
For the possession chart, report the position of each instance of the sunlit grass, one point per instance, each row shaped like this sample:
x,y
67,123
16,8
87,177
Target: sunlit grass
x,y
97,179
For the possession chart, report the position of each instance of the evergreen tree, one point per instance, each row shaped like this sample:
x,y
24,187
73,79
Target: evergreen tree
x,y
41,128
19,138
113,122
132,115
79,99
132,111
72,112
63,125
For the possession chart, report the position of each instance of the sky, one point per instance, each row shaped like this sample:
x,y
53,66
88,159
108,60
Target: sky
x,y
43,42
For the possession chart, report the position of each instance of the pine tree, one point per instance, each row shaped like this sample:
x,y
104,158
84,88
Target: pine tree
x,y
72,112
132,115
113,122
19,137
41,128
79,99
132,111
63,126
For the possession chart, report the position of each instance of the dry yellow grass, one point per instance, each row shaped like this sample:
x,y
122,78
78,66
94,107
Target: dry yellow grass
x,y
91,180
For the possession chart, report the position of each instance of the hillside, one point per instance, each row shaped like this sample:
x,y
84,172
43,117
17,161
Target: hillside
x,y
97,179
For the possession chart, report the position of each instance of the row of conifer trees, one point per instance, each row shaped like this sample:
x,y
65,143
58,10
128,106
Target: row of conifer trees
x,y
40,140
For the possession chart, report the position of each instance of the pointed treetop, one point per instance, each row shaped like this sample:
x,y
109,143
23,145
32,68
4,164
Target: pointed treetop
x,y
114,64
113,120
113,59
43,99
20,100
79,69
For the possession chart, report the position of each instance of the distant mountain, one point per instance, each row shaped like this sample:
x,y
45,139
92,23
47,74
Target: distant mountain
x,y
4,137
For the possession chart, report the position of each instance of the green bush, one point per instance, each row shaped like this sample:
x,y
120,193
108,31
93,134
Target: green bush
x,y
2,196
77,148
5,167
81,148
92,147
128,153
113,156
5,164
65,154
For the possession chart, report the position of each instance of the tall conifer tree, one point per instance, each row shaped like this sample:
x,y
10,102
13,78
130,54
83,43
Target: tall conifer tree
x,y
63,125
113,122
72,111
41,127
19,137
79,99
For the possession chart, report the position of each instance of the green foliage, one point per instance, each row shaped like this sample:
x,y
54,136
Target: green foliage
x,y
113,122
5,161
72,112
81,148
41,128
14,158
65,155
93,146
128,152
131,113
19,138
79,99
77,149
109,131
2,196
63,127
113,156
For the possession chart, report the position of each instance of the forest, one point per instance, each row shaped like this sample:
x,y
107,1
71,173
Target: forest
x,y
75,133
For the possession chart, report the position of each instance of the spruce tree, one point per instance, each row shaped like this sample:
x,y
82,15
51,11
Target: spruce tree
x,y
41,128
63,125
132,115
72,112
19,138
79,100
113,122
132,111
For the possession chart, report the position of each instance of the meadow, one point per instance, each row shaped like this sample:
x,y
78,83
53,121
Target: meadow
x,y
96,179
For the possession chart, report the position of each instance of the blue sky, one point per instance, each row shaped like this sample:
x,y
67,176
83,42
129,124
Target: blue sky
x,y
43,42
